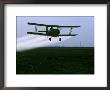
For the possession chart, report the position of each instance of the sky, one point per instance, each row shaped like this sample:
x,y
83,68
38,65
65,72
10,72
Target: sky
x,y
85,37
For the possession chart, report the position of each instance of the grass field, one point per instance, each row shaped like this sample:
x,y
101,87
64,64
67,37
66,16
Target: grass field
x,y
67,60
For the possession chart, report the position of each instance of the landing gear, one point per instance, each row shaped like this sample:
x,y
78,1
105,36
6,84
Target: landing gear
x,y
59,39
50,39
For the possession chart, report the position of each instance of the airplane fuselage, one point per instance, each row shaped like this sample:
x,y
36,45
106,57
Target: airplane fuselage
x,y
53,32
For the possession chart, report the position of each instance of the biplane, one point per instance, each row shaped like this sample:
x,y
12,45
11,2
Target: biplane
x,y
52,30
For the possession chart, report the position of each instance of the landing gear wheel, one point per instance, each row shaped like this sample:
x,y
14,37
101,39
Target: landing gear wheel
x,y
50,39
59,39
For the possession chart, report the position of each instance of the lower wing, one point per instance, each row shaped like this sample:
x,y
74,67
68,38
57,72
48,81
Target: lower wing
x,y
36,33
67,34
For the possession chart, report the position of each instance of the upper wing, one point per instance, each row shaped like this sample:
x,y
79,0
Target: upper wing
x,y
68,26
52,25
36,33
67,34
36,24
42,24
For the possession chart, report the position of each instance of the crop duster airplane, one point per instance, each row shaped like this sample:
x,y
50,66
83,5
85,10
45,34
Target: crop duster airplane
x,y
52,30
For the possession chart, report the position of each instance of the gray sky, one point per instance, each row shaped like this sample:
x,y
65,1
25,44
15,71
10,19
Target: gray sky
x,y
86,31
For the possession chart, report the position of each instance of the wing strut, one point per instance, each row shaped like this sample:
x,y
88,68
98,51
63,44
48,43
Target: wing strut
x,y
46,29
35,28
70,31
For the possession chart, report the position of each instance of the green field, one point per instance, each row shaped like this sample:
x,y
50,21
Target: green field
x,y
66,60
